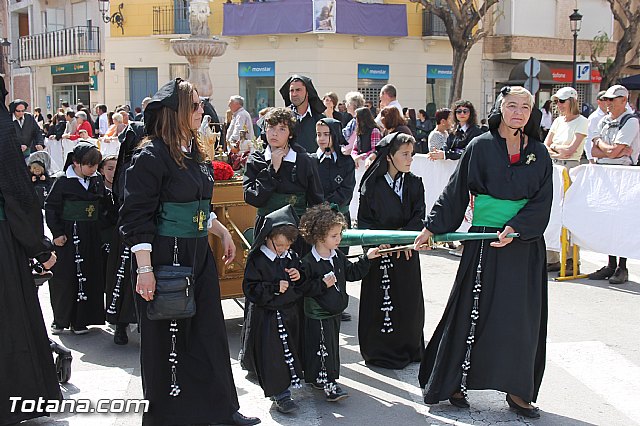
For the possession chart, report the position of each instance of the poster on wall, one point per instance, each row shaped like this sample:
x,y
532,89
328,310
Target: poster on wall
x,y
262,98
324,16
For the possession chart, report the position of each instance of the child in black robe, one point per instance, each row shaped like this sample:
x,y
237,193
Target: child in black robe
x,y
39,164
73,210
391,303
327,271
272,284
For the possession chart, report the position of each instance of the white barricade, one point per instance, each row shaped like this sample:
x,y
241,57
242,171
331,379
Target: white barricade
x,y
601,209
553,231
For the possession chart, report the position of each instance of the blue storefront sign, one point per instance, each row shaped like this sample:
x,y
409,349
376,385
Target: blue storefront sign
x,y
440,71
256,69
373,72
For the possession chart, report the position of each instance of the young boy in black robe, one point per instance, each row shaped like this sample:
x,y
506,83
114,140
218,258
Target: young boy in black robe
x,y
73,210
39,164
327,271
272,325
391,303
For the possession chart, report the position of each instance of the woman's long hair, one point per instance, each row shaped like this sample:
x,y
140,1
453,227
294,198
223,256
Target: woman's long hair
x,y
174,127
391,118
473,117
365,120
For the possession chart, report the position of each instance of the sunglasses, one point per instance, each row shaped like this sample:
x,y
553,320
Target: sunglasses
x,y
611,99
197,105
463,111
560,101
20,110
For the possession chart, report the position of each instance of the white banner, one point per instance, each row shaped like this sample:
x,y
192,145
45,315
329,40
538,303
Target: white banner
x,y
601,209
552,233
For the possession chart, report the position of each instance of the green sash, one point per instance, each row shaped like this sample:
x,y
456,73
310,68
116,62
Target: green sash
x,y
494,212
2,215
80,211
314,311
277,200
183,220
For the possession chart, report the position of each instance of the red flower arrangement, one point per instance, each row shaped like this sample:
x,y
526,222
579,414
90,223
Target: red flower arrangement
x,y
221,170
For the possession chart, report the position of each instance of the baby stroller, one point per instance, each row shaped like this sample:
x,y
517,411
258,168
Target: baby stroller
x,y
63,354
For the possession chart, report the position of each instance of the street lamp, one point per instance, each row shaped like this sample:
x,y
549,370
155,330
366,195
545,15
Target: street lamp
x,y
117,17
5,44
575,20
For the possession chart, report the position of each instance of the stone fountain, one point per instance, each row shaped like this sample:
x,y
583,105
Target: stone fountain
x,y
199,48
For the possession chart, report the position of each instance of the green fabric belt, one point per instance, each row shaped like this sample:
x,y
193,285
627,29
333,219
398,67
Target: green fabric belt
x,y
2,215
494,212
314,311
80,211
277,200
183,220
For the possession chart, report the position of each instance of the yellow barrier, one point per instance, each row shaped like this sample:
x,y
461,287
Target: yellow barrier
x,y
564,241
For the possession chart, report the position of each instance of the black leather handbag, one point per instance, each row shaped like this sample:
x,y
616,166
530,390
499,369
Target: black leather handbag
x,y
174,297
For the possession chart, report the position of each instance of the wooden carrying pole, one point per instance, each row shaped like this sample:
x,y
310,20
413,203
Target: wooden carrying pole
x,y
564,244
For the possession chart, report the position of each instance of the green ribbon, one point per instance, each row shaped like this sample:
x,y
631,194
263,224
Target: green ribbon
x,y
375,237
80,211
313,310
183,220
493,212
277,200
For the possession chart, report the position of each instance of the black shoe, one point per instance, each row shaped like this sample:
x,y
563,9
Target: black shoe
x,y
620,276
602,274
120,336
337,394
239,420
56,329
460,402
532,413
345,316
553,267
286,405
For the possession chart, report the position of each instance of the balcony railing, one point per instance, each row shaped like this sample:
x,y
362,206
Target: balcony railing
x,y
67,42
432,25
171,20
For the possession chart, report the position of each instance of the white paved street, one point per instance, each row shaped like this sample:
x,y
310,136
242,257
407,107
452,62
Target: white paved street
x,y
592,374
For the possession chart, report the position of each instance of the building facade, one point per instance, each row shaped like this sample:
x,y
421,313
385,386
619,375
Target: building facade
x,y
268,41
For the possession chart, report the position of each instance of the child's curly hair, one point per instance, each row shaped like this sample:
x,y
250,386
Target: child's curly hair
x,y
316,223
276,116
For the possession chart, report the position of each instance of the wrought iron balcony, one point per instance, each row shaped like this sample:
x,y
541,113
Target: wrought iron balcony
x,y
63,45
432,25
171,20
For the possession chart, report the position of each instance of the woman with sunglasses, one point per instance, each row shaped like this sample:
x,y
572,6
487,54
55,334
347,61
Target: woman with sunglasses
x,y
165,219
565,142
466,128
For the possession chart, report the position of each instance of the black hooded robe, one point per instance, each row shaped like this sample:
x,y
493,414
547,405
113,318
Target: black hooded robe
x,y
305,131
322,315
26,365
120,308
208,392
69,309
510,336
381,208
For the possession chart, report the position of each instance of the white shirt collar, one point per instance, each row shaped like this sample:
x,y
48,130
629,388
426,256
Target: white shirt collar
x,y
321,155
298,116
318,258
291,156
272,254
464,127
397,185
238,111
71,174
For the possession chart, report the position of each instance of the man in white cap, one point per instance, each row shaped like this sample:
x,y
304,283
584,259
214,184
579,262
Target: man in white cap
x,y
594,121
618,142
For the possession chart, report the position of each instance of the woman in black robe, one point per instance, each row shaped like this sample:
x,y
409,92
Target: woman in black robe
x,y
26,365
186,370
391,303
120,295
74,209
493,331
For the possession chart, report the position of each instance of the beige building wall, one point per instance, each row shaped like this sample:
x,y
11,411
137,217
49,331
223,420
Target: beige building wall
x,y
330,60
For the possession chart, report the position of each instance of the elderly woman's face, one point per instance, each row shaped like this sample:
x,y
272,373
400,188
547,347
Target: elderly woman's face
x,y
515,111
196,117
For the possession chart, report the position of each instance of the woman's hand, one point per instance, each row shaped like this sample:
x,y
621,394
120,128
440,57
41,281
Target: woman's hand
x,y
503,240
228,248
146,285
436,155
374,252
284,285
422,241
49,263
370,159
407,254
60,241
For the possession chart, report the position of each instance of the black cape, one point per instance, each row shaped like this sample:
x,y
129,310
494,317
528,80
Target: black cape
x,y
271,313
305,130
204,375
26,365
510,337
64,288
381,208
322,334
